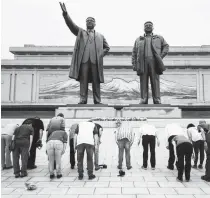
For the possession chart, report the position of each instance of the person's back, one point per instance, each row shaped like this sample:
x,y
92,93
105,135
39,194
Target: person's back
x,y
179,139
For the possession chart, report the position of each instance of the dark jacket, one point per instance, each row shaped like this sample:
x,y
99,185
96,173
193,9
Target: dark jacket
x,y
160,49
101,45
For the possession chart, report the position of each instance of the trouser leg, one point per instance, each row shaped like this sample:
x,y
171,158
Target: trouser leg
x,y
144,89
96,156
127,153
201,152
171,159
155,81
95,84
121,152
32,157
80,158
58,155
188,154
72,153
196,149
84,75
16,157
7,151
3,145
90,150
24,159
152,151
145,143
180,162
51,156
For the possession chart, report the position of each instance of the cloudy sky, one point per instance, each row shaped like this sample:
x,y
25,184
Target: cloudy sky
x,y
40,22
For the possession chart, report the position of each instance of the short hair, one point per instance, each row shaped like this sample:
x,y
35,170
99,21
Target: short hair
x,y
61,115
148,22
190,125
91,18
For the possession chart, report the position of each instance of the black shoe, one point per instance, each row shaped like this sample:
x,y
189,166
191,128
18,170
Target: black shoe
x,y
194,166
157,102
91,177
145,168
82,103
200,166
179,180
80,177
187,180
205,178
52,176
97,168
31,167
24,175
59,176
17,176
8,167
129,167
72,167
170,168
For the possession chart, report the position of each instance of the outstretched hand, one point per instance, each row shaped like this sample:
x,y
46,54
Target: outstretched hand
x,y
63,7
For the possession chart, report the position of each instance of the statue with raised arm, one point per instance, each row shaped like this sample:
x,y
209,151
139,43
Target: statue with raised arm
x,y
147,60
87,59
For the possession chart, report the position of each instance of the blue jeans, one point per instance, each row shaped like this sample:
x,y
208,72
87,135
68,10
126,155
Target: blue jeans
x,y
124,144
54,150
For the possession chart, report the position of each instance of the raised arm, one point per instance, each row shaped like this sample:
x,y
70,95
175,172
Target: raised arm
x,y
72,26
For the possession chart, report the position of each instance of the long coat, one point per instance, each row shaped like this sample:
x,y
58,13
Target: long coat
x,y
160,49
101,47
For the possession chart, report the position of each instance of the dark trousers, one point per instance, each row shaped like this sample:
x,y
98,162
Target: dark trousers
x,y
171,159
198,148
80,157
124,144
72,154
23,152
89,70
151,74
207,173
148,140
184,153
32,157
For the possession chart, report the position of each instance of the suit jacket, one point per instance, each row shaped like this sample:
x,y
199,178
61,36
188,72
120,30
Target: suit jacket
x,y
101,47
160,49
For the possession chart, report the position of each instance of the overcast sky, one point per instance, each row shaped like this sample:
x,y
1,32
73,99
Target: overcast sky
x,y
40,22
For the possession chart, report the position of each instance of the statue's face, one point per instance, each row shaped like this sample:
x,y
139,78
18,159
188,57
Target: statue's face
x,y
90,23
148,27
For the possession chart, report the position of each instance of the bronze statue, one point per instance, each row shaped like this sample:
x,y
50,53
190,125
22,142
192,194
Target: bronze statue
x,y
147,55
87,59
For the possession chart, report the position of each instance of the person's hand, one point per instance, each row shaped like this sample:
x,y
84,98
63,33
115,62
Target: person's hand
x,y
63,151
138,143
167,147
134,68
63,7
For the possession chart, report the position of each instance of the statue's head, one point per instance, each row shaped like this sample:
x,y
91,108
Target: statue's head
x,y
90,23
148,27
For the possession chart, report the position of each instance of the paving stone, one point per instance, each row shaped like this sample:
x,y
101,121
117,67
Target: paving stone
x,y
6,191
39,179
201,196
137,178
106,191
17,184
4,178
179,196
150,196
155,179
133,191
63,196
206,190
109,179
80,191
71,184
13,179
25,191
171,184
121,196
121,184
162,191
35,196
48,184
55,191
189,191
146,184
196,184
96,184
5,184
92,196
10,196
